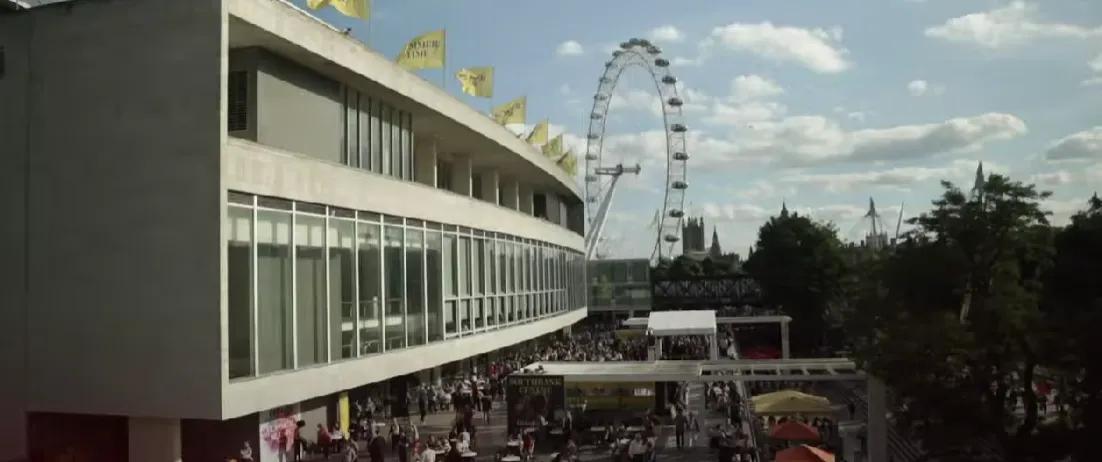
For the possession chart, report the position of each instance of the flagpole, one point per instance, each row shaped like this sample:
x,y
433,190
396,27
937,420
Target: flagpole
x,y
444,69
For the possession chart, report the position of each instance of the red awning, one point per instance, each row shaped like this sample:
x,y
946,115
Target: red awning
x,y
804,453
794,431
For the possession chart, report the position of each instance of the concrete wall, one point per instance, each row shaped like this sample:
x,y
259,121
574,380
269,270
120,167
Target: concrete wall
x,y
316,42
266,171
267,392
125,136
297,109
15,37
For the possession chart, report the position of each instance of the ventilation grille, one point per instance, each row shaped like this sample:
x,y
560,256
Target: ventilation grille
x,y
238,107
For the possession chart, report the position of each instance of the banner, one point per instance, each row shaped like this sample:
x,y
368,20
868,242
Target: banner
x,y
426,51
513,112
554,148
569,163
531,397
539,134
354,8
476,81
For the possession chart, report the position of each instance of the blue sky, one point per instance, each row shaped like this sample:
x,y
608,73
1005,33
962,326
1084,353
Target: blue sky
x,y
821,104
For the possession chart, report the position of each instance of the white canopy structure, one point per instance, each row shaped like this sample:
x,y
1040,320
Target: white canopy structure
x,y
670,323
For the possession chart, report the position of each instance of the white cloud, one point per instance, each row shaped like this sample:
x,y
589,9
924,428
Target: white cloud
x,y
752,87
565,89
1096,63
917,87
666,33
635,100
900,178
922,87
1093,81
744,114
738,212
1056,178
569,48
1009,25
815,49
763,189
857,116
1084,145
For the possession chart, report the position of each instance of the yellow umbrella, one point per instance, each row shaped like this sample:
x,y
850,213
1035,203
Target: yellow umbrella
x,y
790,402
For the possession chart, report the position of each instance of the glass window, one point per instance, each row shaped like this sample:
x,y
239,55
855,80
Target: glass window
x,y
384,117
396,166
310,290
451,314
394,269
451,265
465,316
434,262
239,286
351,127
376,137
342,287
363,113
491,263
273,290
464,267
415,287
477,271
502,266
477,313
370,273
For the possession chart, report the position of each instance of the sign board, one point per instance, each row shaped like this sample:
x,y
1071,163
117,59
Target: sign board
x,y
533,400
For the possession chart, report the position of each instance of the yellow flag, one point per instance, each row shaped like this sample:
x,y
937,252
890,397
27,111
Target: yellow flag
x,y
513,112
554,148
539,134
425,51
477,81
569,163
354,8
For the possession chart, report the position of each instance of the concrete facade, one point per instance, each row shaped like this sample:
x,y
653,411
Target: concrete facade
x,y
115,165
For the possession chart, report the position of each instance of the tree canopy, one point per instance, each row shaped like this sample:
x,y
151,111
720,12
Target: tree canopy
x,y
800,267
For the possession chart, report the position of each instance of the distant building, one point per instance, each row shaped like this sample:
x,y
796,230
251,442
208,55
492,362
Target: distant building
x,y
692,236
619,288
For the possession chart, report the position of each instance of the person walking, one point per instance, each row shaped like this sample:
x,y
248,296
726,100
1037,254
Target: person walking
x,y
680,424
422,403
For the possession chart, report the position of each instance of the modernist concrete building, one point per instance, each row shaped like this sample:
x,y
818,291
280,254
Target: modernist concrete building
x,y
221,216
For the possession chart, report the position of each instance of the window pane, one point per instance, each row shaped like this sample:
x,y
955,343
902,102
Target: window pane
x,y
395,143
465,316
435,264
451,265
310,290
395,288
384,117
415,306
367,245
273,280
363,113
464,267
451,314
477,278
239,284
376,140
477,313
342,287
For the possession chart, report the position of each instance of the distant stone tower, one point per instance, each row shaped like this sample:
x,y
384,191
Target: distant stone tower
x,y
692,236
714,251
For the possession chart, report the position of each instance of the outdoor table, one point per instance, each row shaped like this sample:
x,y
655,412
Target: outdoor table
x,y
597,429
634,429
510,458
513,444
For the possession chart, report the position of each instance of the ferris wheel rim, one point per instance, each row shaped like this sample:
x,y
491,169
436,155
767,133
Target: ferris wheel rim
x,y
640,52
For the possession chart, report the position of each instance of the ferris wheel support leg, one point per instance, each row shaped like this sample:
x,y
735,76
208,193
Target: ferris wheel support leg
x,y
598,224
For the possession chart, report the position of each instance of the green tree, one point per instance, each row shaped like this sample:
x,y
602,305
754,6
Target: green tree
x,y
951,321
1073,305
801,269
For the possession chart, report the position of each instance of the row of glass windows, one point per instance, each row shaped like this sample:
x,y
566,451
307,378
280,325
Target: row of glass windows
x,y
310,284
377,136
